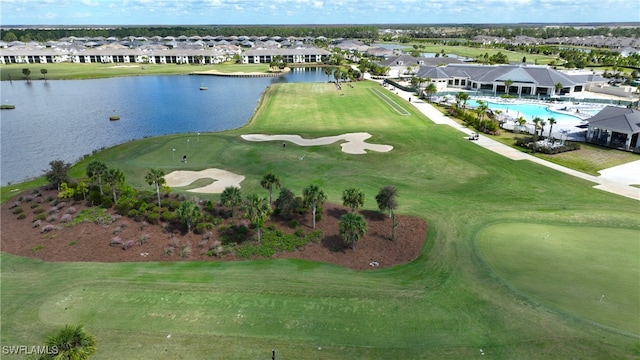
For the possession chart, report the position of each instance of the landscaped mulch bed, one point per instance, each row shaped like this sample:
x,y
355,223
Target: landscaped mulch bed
x,y
90,242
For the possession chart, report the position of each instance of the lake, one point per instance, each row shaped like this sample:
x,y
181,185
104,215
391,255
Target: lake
x,y
67,119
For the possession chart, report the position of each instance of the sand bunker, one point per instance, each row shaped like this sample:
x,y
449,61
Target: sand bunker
x,y
222,179
354,141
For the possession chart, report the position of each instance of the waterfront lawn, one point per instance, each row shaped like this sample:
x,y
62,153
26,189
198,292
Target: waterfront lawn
x,y
73,71
445,304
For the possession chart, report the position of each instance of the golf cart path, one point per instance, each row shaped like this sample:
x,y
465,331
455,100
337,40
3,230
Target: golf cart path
x,y
616,180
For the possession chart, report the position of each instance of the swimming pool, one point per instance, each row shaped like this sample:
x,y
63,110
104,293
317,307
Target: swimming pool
x,y
530,111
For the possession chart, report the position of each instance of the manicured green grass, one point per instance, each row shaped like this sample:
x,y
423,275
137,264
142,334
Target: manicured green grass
x,y
590,272
445,304
67,71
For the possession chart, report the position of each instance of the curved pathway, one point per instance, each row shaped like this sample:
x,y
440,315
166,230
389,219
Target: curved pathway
x,y
615,180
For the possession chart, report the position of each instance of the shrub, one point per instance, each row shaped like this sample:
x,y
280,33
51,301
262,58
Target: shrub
x,y
116,241
168,251
38,210
18,210
40,217
153,218
47,228
294,223
185,250
207,236
72,243
66,218
128,244
299,233
52,218
34,205
37,248
144,239
60,205
72,210
133,214
37,223
52,210
106,203
17,203
22,216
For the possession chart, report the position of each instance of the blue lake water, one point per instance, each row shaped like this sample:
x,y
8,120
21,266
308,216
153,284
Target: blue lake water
x,y
67,119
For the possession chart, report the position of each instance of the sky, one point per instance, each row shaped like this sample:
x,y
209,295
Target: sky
x,y
282,12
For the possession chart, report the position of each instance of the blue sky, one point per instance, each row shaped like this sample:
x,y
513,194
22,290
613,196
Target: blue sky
x,y
227,12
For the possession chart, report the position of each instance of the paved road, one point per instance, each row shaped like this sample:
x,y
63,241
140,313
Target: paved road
x,y
615,180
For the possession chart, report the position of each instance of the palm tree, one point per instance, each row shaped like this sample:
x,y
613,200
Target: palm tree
x,y
353,198
44,73
552,121
257,210
507,85
328,71
189,213
114,177
156,177
558,87
542,124
268,182
430,90
352,228
536,126
521,122
26,73
72,342
461,100
231,198
313,197
96,170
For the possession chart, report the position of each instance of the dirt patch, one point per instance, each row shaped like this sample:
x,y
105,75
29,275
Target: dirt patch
x,y
91,242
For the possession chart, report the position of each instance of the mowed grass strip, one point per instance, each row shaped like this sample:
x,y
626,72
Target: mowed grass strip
x,y
590,272
442,305
393,104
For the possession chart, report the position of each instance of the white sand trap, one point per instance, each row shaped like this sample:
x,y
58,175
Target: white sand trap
x,y
222,179
355,142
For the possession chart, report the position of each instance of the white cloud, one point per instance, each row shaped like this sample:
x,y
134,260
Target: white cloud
x,y
90,3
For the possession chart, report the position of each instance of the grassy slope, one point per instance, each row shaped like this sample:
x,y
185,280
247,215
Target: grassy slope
x,y
445,304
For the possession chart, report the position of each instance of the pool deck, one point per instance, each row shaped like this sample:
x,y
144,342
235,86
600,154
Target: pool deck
x,y
615,180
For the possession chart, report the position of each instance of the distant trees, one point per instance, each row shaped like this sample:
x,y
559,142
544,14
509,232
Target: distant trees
x,y
26,72
44,73
58,174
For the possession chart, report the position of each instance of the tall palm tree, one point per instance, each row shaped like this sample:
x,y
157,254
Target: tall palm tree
x,y
313,197
156,178
352,228
558,87
231,198
521,122
257,210
328,71
96,170
431,89
353,198
542,125
268,182
461,100
72,342
536,126
552,121
114,177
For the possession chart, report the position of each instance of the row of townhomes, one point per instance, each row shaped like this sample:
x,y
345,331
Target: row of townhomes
x,y
158,50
